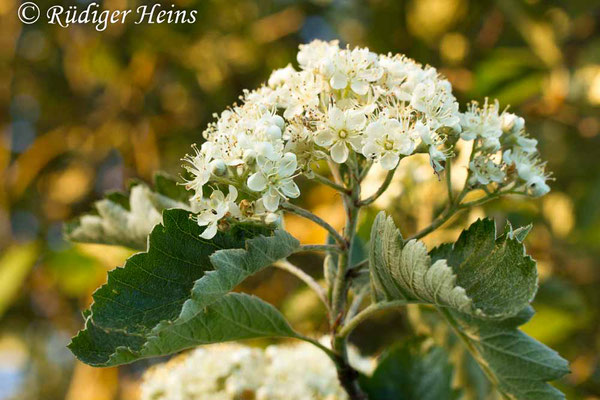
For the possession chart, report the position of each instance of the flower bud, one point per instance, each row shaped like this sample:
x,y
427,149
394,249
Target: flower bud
x,y
218,167
278,120
274,132
537,186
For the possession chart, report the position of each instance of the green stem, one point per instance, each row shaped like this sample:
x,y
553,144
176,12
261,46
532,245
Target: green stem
x,y
356,302
327,351
468,344
347,375
312,217
379,192
320,247
369,311
454,208
330,183
449,181
303,276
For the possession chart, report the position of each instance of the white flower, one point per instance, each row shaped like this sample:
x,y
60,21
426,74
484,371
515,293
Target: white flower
x,y
484,123
525,163
355,69
281,76
314,55
401,75
386,139
275,179
301,92
342,129
234,372
512,123
200,167
529,169
322,110
537,186
434,99
485,171
216,207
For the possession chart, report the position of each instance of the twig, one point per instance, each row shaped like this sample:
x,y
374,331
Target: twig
x,y
367,312
303,276
379,192
312,217
320,247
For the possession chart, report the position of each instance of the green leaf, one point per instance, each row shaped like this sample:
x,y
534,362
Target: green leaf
x,y
483,285
518,365
176,296
167,186
405,271
416,369
126,220
495,272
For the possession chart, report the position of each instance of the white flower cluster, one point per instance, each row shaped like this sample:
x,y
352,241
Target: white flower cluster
x,y
502,152
232,372
342,104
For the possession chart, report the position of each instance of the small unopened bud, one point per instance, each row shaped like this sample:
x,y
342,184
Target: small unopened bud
x,y
274,132
277,120
512,123
537,186
218,167
249,157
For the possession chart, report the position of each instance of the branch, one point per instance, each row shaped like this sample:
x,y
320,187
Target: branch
x,y
327,351
356,302
330,183
453,209
367,312
303,276
312,217
379,192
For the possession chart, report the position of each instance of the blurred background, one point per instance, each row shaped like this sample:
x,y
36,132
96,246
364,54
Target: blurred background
x,y
82,112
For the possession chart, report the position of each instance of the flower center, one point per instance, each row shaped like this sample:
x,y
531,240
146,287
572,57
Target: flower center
x,y
343,134
388,145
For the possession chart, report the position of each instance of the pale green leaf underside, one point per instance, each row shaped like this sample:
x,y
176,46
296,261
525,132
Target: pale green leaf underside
x,y
483,285
127,220
405,271
176,296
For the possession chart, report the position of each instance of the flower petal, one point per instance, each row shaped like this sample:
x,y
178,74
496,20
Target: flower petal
x,y
389,161
290,189
336,118
210,231
257,182
359,87
355,141
375,129
339,152
370,149
338,81
288,165
324,138
271,201
356,120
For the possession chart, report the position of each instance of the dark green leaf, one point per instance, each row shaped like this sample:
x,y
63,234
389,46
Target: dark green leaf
x,y
495,272
518,365
175,295
169,187
417,369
